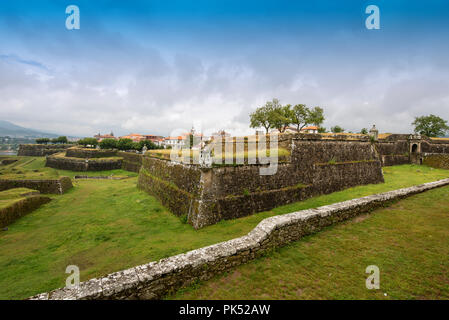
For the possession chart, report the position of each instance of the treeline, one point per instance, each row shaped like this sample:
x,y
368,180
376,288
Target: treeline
x,y
120,144
59,140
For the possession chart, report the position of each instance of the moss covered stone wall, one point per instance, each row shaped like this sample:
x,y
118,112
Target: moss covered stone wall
x,y
84,153
41,150
55,186
208,195
440,161
77,164
131,161
20,208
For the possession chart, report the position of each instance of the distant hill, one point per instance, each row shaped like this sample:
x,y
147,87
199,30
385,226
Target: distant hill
x,y
10,129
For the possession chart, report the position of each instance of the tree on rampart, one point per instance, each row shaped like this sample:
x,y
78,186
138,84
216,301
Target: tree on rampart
x,y
431,126
337,129
274,115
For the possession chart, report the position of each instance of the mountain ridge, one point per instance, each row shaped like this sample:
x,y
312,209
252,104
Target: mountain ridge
x,y
15,131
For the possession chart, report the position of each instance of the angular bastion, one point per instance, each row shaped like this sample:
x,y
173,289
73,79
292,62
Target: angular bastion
x,y
315,166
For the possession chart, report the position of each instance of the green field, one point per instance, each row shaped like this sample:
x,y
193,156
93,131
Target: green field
x,y
104,226
408,241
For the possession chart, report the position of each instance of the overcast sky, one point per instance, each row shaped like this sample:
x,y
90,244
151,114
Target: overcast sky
x,y
156,66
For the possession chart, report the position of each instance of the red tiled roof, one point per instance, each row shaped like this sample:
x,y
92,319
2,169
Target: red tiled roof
x,y
310,128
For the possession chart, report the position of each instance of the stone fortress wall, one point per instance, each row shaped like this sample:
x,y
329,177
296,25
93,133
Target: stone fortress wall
x,y
82,159
54,186
317,164
21,207
41,150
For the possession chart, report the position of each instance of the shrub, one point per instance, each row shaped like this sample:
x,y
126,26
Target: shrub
x,y
149,144
61,139
88,142
337,129
108,144
138,146
42,141
333,160
125,144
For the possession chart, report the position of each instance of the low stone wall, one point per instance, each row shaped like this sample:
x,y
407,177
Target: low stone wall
x,y
41,150
20,208
85,153
156,279
55,186
75,164
131,161
440,161
8,161
100,177
394,160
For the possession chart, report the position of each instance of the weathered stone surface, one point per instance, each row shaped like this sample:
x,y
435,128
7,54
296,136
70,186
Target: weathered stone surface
x,y
208,195
88,153
440,161
156,279
77,164
55,186
20,208
41,150
131,161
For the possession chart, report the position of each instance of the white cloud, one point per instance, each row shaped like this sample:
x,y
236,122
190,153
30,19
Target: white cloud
x,y
121,86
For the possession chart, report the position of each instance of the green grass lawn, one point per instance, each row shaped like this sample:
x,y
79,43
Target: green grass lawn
x,y
108,225
408,241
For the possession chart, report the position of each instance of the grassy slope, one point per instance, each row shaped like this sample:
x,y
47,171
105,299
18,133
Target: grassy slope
x,y
8,197
408,241
106,226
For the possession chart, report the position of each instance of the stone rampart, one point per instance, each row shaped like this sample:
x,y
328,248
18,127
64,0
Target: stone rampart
x,y
20,208
77,164
55,186
208,195
41,150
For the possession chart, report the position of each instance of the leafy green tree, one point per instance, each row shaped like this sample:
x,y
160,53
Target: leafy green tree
x,y
86,142
364,131
149,144
280,117
262,117
337,129
431,126
137,146
61,139
315,116
125,144
322,130
302,116
274,115
42,140
108,143
299,116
